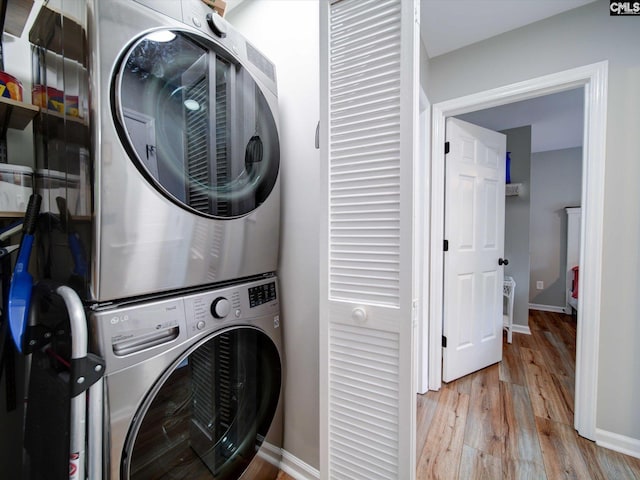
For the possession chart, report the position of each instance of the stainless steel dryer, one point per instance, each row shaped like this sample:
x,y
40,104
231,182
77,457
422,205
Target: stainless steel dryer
x,y
185,136
193,385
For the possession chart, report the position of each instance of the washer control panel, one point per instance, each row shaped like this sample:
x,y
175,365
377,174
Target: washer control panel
x,y
129,333
261,294
232,304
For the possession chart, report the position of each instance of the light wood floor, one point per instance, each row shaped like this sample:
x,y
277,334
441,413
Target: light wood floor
x,y
514,420
284,476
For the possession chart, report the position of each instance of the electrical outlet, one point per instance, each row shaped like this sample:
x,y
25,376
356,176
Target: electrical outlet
x,y
540,285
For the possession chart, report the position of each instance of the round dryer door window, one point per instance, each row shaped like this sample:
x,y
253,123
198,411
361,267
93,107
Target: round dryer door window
x,y
197,124
208,416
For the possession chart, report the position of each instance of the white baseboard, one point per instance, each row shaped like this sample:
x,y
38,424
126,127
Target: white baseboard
x,y
521,329
270,453
546,308
298,469
619,443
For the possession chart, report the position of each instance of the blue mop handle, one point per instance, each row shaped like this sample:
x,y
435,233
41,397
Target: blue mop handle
x,y
21,281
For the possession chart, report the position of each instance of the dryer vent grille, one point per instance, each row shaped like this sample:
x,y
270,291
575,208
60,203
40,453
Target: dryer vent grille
x,y
199,167
222,138
197,134
213,407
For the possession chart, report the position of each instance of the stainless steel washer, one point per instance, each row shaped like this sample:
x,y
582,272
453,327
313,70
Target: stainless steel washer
x,y
184,124
193,385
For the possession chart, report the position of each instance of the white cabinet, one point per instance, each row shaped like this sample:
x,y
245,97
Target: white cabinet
x,y
574,215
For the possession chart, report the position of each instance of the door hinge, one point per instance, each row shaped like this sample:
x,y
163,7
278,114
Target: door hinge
x,y
446,147
445,247
444,342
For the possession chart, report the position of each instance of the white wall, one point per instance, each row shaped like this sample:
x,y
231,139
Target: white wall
x,y
287,32
556,178
572,39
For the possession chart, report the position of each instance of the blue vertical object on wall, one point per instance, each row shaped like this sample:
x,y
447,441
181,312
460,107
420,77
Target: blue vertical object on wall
x,y
508,169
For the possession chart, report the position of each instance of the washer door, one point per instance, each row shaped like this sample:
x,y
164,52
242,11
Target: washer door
x,y
209,414
196,123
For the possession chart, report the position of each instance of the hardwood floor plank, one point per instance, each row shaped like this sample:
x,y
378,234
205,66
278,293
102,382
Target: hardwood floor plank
x,y
537,321
568,326
522,470
284,476
440,458
511,369
427,405
532,357
484,430
521,437
461,385
605,464
565,387
525,341
479,465
547,399
634,465
556,354
560,451
564,327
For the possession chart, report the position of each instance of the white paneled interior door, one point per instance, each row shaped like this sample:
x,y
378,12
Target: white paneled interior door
x,y
369,114
474,232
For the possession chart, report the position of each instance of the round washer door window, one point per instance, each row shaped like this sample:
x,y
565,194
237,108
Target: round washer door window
x,y
210,413
196,124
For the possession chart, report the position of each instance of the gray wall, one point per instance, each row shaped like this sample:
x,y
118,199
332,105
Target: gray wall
x,y
516,221
288,33
556,183
580,37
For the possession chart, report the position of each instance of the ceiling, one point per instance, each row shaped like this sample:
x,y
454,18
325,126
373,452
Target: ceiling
x,y
556,120
446,25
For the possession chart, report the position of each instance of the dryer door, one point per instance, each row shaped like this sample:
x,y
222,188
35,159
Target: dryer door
x,y
196,123
209,414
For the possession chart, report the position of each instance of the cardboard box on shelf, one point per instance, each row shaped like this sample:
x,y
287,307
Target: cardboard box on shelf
x,y
218,5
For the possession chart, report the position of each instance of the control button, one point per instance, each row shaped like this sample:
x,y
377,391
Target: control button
x,y
216,24
220,307
200,325
238,313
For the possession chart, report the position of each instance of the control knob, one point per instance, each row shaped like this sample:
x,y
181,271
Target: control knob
x,y
216,24
220,307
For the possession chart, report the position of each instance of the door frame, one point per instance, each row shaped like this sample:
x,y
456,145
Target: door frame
x,y
594,80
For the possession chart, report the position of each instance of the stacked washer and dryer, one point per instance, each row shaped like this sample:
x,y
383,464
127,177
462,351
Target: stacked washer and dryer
x,y
184,301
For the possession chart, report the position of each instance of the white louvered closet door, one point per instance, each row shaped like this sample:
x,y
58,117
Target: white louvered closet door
x,y
369,115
